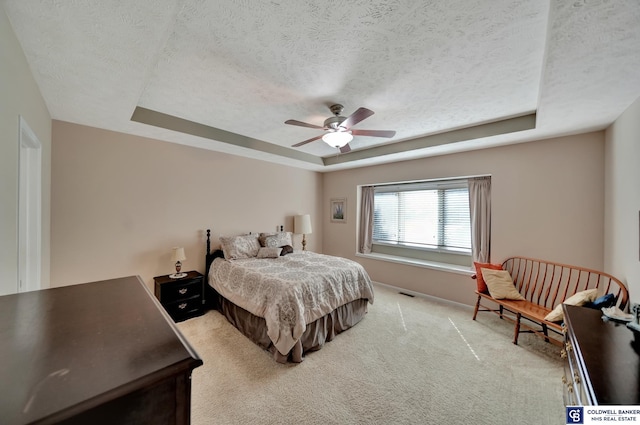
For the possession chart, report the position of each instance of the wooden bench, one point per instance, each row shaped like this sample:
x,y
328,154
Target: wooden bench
x,y
544,285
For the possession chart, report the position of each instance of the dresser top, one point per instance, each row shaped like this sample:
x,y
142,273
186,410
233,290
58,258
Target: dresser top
x,y
67,349
606,350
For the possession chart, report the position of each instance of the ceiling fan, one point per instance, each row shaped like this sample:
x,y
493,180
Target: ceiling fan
x,y
338,128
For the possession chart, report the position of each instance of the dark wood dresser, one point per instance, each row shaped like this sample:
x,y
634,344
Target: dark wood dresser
x,y
96,353
602,361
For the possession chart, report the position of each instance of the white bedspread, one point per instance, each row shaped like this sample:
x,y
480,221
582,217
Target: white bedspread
x,y
290,291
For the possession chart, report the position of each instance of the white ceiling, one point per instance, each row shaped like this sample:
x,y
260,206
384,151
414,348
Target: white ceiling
x,y
232,71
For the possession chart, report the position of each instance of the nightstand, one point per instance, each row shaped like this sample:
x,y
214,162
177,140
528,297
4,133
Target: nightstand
x,y
182,298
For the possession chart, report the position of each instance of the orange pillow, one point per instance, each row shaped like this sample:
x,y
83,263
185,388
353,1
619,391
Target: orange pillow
x,y
482,286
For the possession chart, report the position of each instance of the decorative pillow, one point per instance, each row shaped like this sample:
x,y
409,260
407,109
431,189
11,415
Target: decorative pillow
x,y
237,247
275,240
265,252
263,236
579,298
605,301
287,249
482,287
500,285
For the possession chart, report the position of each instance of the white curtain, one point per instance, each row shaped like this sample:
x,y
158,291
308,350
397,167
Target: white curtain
x,y
366,219
480,216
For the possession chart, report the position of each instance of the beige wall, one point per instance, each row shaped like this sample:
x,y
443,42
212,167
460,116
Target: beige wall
x,y
547,202
19,96
120,202
622,183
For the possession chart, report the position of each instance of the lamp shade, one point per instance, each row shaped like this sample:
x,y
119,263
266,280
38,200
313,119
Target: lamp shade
x,y
337,139
302,224
178,254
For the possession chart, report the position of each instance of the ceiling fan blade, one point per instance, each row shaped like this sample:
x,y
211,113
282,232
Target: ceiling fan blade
x,y
346,148
303,124
356,117
374,133
307,141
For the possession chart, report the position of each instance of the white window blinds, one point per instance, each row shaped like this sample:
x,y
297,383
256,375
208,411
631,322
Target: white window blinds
x,y
433,215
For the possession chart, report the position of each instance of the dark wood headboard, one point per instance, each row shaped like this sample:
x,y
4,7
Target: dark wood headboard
x,y
210,256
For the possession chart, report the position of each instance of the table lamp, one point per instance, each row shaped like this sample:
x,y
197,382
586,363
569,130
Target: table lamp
x,y
302,224
177,256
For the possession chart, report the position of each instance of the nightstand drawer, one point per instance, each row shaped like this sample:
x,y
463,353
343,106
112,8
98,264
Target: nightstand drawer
x,y
180,290
184,308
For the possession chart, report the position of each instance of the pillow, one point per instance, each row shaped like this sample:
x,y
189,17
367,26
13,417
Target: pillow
x,y
605,301
482,287
275,240
287,249
579,298
265,252
237,247
263,236
500,285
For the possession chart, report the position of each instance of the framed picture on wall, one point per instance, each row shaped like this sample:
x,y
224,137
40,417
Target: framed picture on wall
x,y
339,210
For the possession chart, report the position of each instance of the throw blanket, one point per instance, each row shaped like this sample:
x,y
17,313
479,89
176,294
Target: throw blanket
x,y
290,291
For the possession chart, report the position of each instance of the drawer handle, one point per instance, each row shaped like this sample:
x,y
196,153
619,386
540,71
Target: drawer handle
x,y
182,306
182,291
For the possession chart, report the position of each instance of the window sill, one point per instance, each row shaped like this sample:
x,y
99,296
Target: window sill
x,y
444,267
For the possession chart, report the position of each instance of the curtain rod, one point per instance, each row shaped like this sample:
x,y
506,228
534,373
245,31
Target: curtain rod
x,y
463,178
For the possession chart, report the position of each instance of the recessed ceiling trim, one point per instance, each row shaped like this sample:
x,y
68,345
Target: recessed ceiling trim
x,y
509,125
170,122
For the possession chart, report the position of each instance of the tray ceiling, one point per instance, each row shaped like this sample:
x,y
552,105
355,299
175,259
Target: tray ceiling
x,y
224,75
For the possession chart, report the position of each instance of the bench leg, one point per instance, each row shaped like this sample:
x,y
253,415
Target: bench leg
x,y
501,311
517,329
475,312
545,331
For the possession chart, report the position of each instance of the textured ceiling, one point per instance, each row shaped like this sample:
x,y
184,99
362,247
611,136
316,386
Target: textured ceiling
x,y
225,75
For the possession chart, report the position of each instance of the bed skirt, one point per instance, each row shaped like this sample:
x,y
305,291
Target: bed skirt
x,y
317,333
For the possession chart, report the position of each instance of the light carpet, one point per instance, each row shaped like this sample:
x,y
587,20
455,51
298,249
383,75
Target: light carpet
x,y
409,361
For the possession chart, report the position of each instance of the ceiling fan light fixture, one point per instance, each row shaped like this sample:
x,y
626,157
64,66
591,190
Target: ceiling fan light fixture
x,y
337,139
338,129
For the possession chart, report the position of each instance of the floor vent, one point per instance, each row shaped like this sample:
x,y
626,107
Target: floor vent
x,y
405,294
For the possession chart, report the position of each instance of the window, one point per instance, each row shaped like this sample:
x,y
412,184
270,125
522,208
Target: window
x,y
425,220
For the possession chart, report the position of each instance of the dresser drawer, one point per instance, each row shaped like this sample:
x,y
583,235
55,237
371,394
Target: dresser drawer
x,y
180,290
575,393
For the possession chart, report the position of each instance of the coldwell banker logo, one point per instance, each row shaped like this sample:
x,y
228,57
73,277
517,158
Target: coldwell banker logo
x,y
574,415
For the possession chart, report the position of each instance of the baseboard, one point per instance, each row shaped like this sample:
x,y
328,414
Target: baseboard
x,y
421,295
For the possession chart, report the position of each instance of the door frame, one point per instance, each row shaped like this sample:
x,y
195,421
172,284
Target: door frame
x,y
29,209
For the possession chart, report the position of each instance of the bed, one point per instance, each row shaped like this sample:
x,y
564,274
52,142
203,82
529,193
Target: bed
x,y
288,302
